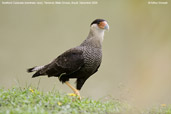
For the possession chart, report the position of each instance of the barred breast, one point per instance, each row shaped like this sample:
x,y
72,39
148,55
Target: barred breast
x,y
92,58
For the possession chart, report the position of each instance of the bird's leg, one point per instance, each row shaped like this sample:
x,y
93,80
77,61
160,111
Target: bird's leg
x,y
74,89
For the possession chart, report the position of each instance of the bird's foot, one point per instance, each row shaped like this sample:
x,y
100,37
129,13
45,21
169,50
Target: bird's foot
x,y
74,89
75,95
78,94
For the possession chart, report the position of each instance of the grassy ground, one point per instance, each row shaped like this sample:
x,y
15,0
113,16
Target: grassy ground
x,y
30,100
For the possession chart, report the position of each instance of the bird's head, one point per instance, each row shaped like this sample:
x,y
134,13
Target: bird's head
x,y
96,34
99,24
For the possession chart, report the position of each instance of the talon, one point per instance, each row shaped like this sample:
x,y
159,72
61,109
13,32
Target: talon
x,y
78,94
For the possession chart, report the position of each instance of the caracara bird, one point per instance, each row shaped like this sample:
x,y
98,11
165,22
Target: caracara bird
x,y
79,62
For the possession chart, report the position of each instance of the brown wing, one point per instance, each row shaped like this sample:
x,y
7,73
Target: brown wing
x,y
68,62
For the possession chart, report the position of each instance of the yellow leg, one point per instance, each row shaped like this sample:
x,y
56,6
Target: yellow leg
x,y
74,89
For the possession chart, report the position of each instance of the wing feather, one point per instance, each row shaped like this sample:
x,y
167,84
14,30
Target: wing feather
x,y
68,62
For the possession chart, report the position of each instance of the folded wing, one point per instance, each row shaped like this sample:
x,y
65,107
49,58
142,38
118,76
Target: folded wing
x,y
68,62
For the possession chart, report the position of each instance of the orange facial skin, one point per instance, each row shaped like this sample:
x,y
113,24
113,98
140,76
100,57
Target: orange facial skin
x,y
102,24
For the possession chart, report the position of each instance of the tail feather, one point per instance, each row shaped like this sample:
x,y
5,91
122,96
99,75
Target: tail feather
x,y
30,69
36,74
35,68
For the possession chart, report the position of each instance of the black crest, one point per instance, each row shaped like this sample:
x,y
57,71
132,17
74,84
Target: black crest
x,y
97,21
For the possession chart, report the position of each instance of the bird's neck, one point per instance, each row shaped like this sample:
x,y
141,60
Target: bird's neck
x,y
95,38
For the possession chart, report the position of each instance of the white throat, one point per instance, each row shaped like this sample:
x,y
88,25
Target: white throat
x,y
95,37
97,33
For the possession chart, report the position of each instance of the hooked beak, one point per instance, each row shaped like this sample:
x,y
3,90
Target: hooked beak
x,y
106,27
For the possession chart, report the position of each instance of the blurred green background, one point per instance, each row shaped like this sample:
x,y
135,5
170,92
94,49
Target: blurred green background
x,y
136,64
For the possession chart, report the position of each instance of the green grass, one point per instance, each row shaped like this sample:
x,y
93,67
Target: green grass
x,y
32,101
27,100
